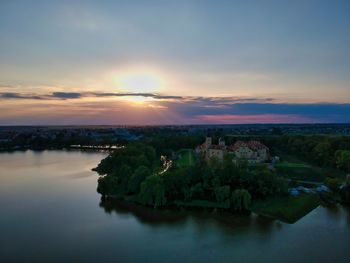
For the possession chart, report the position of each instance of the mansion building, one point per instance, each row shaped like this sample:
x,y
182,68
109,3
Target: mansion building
x,y
251,151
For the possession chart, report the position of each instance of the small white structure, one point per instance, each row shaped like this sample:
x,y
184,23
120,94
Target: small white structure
x,y
322,189
293,191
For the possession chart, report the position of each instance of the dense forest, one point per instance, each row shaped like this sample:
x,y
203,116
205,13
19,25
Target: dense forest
x,y
134,172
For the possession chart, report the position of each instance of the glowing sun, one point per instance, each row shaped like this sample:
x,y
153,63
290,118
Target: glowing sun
x,y
139,83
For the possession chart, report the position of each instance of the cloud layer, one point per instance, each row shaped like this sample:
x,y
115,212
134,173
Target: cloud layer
x,y
77,95
119,108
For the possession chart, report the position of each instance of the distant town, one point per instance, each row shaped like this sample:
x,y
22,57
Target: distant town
x,y
40,137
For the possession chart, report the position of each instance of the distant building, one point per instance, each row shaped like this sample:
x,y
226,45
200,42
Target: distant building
x,y
209,150
252,151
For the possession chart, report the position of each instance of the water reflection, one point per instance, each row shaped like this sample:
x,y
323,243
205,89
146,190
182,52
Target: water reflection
x,y
226,222
338,213
51,212
347,209
334,211
143,214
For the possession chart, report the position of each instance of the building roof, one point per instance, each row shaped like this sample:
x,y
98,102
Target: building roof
x,y
237,145
254,145
216,147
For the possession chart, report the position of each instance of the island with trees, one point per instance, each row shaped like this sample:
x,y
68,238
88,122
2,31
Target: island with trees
x,y
170,172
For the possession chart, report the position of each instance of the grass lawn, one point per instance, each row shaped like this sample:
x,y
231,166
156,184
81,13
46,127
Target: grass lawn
x,y
185,158
297,169
203,203
312,173
292,165
288,209
303,174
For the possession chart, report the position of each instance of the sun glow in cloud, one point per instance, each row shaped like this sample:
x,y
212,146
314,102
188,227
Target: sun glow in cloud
x,y
139,82
136,100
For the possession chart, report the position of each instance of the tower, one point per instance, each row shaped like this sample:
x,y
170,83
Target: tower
x,y
208,142
221,142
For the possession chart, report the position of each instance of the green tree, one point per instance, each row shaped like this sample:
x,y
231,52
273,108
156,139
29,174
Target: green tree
x,y
107,185
240,200
222,193
333,183
347,180
153,191
342,158
322,152
175,182
124,173
197,191
137,178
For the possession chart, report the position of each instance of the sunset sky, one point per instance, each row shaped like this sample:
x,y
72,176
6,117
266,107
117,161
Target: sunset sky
x,y
174,62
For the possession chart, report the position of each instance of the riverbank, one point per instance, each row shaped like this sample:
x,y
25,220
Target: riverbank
x,y
288,209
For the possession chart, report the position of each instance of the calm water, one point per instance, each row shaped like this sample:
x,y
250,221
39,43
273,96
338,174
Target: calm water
x,y
50,212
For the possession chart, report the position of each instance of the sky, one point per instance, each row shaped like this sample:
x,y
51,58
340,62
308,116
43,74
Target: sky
x,y
174,62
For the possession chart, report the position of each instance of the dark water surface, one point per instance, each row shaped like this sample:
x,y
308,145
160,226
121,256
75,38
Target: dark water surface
x,y
50,212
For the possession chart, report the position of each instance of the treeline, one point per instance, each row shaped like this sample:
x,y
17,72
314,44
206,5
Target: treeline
x,y
132,173
167,144
320,150
60,141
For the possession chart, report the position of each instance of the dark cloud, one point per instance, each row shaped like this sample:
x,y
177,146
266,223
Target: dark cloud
x,y
146,95
14,95
53,96
67,95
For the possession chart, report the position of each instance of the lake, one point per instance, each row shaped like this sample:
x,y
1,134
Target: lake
x,y
50,212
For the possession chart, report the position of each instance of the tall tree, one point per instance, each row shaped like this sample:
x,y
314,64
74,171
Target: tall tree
x,y
240,200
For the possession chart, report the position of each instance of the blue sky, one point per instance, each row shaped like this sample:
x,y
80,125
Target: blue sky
x,y
270,61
